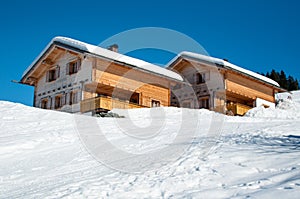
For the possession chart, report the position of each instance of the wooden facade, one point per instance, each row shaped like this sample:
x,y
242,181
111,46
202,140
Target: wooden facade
x,y
221,89
70,80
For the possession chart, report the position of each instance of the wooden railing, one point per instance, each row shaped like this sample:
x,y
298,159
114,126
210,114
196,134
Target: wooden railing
x,y
105,103
238,109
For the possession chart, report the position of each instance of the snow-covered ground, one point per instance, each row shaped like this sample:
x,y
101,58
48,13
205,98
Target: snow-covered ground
x,y
44,154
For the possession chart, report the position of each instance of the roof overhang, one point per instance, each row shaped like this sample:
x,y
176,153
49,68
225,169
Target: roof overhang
x,y
84,48
42,61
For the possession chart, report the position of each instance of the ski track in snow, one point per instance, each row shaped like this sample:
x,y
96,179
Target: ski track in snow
x,y
41,156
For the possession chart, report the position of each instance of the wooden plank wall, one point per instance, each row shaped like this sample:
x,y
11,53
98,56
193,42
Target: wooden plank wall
x,y
149,86
88,95
247,87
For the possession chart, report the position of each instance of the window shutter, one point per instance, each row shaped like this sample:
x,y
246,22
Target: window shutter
x,y
78,64
57,71
63,102
60,101
47,76
70,98
76,98
67,68
51,102
66,98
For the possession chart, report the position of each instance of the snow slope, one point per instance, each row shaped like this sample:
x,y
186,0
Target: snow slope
x,y
257,156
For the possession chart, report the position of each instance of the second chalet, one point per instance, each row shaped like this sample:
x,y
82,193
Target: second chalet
x,y
220,85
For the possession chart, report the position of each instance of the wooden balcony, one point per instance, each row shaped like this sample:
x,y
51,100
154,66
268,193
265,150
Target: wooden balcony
x,y
105,103
237,108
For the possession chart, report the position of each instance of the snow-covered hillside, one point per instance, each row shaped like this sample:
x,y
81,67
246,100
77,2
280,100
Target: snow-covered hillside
x,y
43,154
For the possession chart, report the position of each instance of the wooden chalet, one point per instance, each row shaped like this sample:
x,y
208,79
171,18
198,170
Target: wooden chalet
x,y
220,86
74,76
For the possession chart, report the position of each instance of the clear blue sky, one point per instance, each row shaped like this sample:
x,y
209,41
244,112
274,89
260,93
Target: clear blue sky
x,y
258,35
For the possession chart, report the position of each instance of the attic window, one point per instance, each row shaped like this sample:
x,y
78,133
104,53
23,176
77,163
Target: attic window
x,y
53,74
202,77
73,67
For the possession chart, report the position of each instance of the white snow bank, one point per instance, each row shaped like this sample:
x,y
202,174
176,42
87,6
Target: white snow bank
x,y
274,113
110,55
225,64
42,156
296,96
288,107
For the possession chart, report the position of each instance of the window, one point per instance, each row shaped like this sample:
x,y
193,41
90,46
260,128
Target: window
x,y
204,103
58,103
135,98
53,74
155,103
200,78
73,67
73,97
44,104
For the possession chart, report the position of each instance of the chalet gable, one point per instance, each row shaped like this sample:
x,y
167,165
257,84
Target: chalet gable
x,y
221,64
61,45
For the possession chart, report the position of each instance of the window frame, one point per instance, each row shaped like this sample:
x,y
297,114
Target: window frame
x,y
202,77
44,103
204,102
135,98
73,67
73,97
58,103
155,103
53,74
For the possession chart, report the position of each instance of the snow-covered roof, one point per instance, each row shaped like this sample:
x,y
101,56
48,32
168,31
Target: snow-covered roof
x,y
110,55
225,64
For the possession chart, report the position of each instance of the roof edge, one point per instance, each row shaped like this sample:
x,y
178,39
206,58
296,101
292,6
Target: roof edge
x,y
92,49
225,64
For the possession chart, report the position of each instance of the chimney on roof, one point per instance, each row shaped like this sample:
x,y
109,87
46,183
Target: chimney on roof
x,y
114,48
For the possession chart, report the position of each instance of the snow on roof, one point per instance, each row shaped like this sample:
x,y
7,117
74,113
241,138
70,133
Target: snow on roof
x,y
226,64
110,55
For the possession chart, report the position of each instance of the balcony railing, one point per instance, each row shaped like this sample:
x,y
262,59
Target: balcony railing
x,y
106,103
